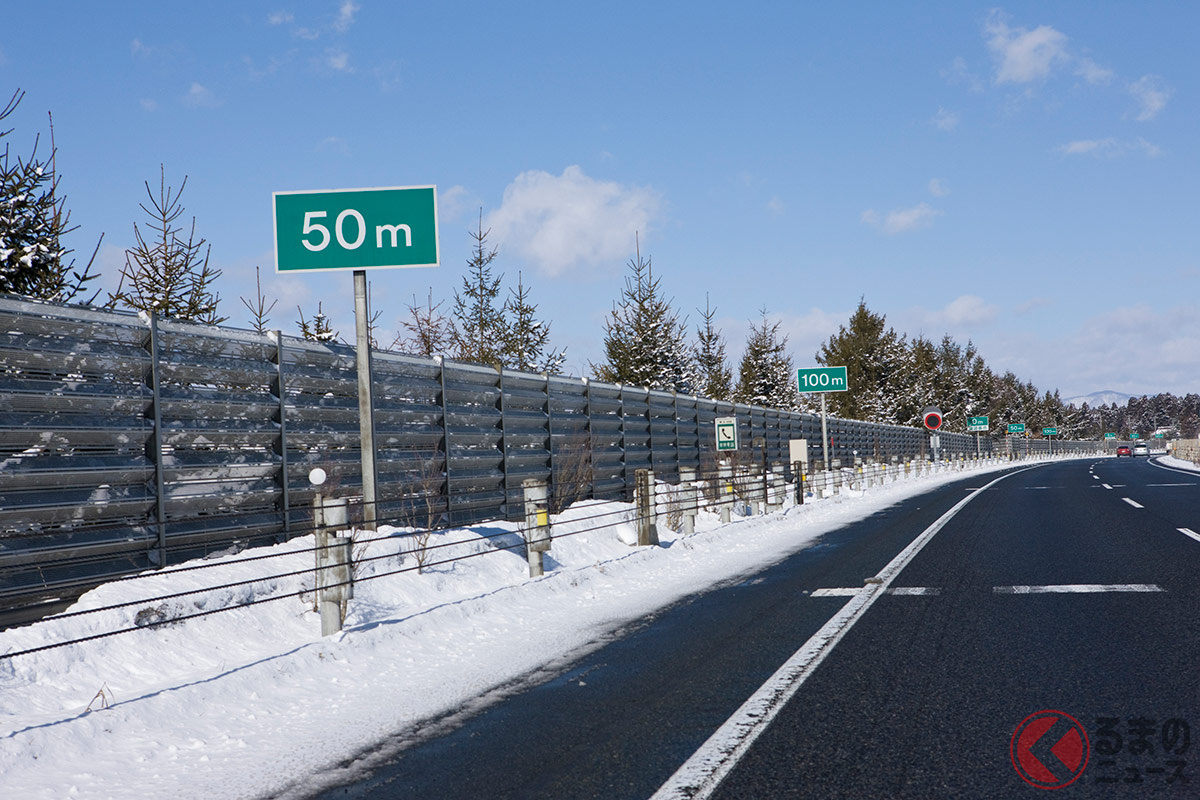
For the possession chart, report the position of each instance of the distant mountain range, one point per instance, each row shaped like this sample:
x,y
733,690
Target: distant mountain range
x,y
1103,398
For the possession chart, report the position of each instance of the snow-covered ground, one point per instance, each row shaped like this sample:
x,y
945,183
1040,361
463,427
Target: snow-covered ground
x,y
253,702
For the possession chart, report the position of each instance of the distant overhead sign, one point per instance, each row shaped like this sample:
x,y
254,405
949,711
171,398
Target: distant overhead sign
x,y
356,229
976,424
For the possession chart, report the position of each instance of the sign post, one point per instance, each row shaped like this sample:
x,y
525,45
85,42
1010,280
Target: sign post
x,y
823,380
1050,433
977,425
357,229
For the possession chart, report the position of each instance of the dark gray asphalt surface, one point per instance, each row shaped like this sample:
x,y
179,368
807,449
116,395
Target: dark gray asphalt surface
x,y
919,700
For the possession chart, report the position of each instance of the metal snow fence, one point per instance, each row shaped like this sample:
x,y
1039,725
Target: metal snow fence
x,y
129,442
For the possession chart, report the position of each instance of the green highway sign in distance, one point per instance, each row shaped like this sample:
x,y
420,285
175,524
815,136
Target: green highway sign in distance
x,y
1110,436
1016,427
822,379
1135,436
727,438
1159,435
976,424
1049,431
356,229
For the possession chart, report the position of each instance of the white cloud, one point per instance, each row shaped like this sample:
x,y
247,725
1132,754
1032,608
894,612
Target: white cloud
x,y
452,203
149,104
945,120
901,220
562,222
966,311
938,187
775,206
1151,94
280,18
1023,56
138,48
337,60
1111,147
199,96
958,74
345,17
1092,72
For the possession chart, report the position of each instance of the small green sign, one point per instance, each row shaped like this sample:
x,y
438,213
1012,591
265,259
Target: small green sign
x,y
727,436
356,229
822,379
1049,431
975,424
1110,436
1159,436
1016,427
1135,436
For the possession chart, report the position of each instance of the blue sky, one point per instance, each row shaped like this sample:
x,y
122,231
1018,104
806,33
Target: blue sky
x,y
1020,175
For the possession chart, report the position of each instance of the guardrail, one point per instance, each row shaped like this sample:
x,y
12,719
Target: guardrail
x,y
129,442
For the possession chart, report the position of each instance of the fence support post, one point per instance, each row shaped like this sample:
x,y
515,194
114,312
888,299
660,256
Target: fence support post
x,y
156,446
647,530
537,523
798,472
279,387
725,491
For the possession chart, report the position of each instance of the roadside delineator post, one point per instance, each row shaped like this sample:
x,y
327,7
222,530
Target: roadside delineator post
x,y
689,498
647,529
537,524
333,561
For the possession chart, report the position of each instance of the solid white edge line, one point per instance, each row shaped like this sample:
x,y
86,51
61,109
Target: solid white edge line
x,y
701,774
1189,532
1079,588
850,591
1133,503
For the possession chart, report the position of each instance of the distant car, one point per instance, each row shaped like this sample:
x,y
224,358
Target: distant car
x,y
1124,450
1141,450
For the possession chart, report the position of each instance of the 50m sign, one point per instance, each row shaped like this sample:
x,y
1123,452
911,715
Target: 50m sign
x,y
356,229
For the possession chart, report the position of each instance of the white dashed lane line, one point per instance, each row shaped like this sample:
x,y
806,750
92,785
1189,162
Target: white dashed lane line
x,y
1133,503
1189,532
1079,588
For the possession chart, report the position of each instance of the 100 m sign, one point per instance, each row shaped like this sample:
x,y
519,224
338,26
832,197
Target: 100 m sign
x,y
822,379
356,229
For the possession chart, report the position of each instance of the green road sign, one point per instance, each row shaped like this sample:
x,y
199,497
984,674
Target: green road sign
x,y
727,437
1159,436
1110,436
822,379
356,229
975,424
1049,431
1135,436
1016,427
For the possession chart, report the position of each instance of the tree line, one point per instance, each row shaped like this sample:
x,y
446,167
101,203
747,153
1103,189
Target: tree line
x,y
892,377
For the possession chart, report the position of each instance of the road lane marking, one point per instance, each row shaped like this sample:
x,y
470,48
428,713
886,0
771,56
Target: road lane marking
x,y
1106,486
701,774
1189,532
851,591
1079,588
1170,484
1133,503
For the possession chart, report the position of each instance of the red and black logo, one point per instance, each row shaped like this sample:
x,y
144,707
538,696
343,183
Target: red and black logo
x,y
1049,749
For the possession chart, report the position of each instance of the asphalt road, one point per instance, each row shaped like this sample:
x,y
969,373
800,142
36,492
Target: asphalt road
x,y
1065,588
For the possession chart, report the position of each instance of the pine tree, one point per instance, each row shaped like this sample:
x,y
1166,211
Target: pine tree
x,y
526,341
874,357
318,329
766,377
259,310
167,274
645,344
478,324
429,331
714,377
33,221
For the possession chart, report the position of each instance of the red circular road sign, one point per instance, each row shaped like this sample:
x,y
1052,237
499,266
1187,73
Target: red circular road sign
x,y
932,417
1061,752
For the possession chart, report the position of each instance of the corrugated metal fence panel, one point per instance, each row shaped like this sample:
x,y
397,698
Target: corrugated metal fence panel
x,y
245,417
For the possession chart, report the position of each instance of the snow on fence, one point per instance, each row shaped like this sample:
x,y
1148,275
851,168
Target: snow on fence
x,y
129,442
